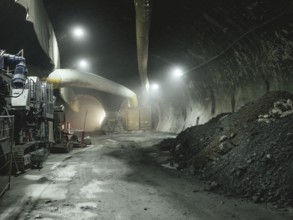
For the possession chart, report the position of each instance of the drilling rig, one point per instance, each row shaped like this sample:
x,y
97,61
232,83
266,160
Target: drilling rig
x,y
31,104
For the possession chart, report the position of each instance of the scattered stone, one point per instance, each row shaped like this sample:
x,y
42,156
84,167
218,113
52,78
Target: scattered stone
x,y
233,135
284,114
54,209
283,209
223,138
38,217
281,109
290,103
85,208
43,180
240,171
214,185
276,111
48,201
290,135
66,158
249,161
167,144
282,105
225,147
265,120
255,199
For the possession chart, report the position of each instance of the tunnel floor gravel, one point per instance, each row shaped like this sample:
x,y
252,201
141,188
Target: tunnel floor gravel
x,y
120,176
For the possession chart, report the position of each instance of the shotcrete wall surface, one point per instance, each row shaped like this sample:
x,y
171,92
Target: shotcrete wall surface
x,y
177,116
236,70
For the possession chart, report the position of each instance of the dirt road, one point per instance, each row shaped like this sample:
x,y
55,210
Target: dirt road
x,y
120,177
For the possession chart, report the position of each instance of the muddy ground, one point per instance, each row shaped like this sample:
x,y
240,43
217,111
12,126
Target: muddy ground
x,y
246,154
120,177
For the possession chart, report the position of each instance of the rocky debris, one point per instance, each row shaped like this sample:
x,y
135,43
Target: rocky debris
x,y
67,204
166,144
85,208
43,180
239,156
223,138
225,147
38,217
212,186
48,201
54,209
281,109
192,140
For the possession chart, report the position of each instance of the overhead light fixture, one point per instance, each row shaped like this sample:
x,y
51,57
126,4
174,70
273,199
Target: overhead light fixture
x,y
83,64
177,72
155,86
78,32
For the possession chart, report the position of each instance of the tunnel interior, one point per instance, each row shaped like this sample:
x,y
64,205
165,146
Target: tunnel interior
x,y
218,108
229,54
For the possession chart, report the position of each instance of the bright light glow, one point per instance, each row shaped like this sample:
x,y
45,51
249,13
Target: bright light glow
x,y
101,116
83,64
78,32
178,72
155,86
85,104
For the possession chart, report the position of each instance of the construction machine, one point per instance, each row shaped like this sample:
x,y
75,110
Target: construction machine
x,y
31,103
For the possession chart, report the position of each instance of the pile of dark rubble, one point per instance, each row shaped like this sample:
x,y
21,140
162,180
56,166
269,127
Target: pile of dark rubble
x,y
245,154
281,109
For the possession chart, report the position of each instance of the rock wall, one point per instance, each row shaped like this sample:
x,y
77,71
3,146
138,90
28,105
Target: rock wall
x,y
233,60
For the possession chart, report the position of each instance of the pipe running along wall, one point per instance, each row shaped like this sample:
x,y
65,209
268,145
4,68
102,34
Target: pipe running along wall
x,y
72,78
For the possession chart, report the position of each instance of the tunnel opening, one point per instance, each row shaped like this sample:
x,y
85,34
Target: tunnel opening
x,y
85,113
143,117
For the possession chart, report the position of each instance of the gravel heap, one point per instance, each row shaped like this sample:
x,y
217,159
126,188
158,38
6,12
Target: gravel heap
x,y
245,154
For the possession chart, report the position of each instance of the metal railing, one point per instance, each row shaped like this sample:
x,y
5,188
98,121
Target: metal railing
x,y
6,146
